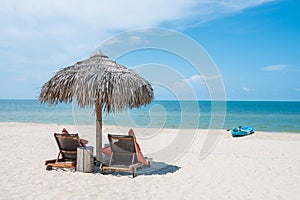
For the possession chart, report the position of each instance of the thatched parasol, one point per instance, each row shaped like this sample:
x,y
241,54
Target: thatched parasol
x,y
100,82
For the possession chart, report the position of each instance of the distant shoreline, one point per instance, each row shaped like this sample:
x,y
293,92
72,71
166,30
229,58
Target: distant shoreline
x,y
267,116
223,131
199,100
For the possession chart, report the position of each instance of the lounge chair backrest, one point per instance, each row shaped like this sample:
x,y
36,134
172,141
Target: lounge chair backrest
x,y
67,144
123,150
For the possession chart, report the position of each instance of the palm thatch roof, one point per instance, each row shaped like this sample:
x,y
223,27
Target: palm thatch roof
x,y
98,80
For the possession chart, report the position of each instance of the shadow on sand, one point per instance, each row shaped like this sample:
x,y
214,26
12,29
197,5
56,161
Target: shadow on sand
x,y
157,168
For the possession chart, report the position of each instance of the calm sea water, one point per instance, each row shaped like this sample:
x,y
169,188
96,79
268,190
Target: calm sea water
x,y
262,115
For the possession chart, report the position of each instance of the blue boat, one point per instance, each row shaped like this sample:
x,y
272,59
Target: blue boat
x,y
242,131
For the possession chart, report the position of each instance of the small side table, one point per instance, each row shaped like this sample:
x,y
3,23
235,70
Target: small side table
x,y
85,159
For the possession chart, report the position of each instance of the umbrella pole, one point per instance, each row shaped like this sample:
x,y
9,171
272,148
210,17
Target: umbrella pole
x,y
98,132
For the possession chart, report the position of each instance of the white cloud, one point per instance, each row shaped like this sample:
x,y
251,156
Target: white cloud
x,y
207,10
200,79
192,87
275,68
73,17
70,24
77,17
131,40
51,33
246,89
194,82
73,27
195,79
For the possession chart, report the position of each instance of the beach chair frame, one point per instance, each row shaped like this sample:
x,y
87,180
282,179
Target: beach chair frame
x,y
123,157
66,158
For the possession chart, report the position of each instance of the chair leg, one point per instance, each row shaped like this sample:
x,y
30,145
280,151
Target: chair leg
x,y
133,173
58,156
102,170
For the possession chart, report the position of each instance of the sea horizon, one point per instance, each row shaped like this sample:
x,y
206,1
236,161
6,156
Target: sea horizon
x,y
269,116
263,100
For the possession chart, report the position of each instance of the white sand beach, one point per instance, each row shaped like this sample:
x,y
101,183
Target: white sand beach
x,y
259,166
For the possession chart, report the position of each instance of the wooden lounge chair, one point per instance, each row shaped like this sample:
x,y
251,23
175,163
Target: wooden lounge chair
x,y
67,144
123,156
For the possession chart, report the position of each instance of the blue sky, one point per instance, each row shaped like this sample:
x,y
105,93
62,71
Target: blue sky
x,y
254,44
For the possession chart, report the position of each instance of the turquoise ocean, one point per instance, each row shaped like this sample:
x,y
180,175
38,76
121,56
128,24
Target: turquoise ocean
x,y
270,116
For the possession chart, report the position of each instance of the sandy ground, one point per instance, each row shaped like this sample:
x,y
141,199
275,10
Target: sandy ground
x,y
206,165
